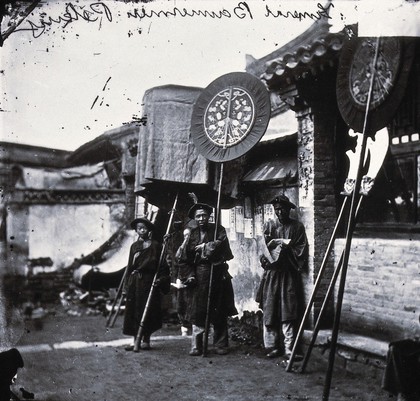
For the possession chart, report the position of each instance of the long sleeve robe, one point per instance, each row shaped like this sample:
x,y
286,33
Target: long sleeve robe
x,y
280,294
217,252
144,263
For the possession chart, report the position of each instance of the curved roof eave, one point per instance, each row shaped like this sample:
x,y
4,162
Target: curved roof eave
x,y
105,147
309,58
308,52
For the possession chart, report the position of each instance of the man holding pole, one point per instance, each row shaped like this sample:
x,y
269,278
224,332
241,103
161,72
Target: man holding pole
x,y
208,252
143,263
279,294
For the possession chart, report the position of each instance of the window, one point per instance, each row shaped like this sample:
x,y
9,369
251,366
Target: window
x,y
395,197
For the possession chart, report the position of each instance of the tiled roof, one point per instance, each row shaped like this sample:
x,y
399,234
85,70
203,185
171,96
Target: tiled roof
x,y
107,146
307,53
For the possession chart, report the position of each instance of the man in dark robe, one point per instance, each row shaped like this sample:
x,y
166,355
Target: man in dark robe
x,y
402,372
10,362
279,294
143,263
202,251
184,283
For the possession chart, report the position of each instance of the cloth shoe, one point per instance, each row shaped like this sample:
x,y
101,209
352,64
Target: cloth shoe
x,y
145,345
196,341
129,347
275,353
297,358
195,352
221,351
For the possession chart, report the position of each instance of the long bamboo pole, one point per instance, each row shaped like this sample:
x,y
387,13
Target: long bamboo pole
x,y
349,234
316,287
219,191
325,303
118,298
152,288
208,311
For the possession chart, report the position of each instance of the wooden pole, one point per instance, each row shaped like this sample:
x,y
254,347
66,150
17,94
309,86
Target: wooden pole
x,y
316,287
208,311
219,191
325,303
111,321
153,286
349,234
117,310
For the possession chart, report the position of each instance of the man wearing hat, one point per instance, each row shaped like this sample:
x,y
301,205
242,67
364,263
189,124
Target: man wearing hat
x,y
202,251
279,294
10,362
143,263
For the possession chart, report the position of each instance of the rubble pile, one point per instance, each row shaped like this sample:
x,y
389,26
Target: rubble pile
x,y
78,302
247,329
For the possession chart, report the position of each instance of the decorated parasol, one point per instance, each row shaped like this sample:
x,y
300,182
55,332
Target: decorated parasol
x,y
371,83
388,78
230,116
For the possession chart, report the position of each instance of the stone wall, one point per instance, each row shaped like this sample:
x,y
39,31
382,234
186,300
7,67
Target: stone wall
x,y
59,232
43,287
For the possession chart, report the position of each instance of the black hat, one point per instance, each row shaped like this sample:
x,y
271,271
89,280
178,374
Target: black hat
x,y
143,220
197,206
283,200
10,361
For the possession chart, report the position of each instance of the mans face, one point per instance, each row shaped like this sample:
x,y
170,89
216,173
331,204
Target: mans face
x,y
142,230
282,212
201,217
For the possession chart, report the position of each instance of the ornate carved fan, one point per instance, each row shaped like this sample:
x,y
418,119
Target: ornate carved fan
x,y
230,116
395,57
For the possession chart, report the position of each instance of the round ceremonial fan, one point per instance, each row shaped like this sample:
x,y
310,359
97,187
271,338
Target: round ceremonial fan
x,y
394,59
230,116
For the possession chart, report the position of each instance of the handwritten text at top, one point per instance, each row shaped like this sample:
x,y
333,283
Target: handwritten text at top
x,y
98,11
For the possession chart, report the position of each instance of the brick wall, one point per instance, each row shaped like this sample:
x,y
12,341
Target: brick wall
x,y
42,287
317,201
382,296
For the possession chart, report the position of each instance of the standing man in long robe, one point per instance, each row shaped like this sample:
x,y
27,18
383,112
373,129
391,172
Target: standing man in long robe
x,y
202,251
143,263
280,295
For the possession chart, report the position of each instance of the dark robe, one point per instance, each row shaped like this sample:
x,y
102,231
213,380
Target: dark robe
x,y
184,272
142,266
215,252
280,292
402,372
10,361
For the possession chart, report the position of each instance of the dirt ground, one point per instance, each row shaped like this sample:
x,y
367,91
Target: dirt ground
x,y
104,371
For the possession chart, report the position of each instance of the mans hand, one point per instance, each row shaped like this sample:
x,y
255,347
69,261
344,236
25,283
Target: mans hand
x,y
199,248
158,282
274,243
190,282
264,262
